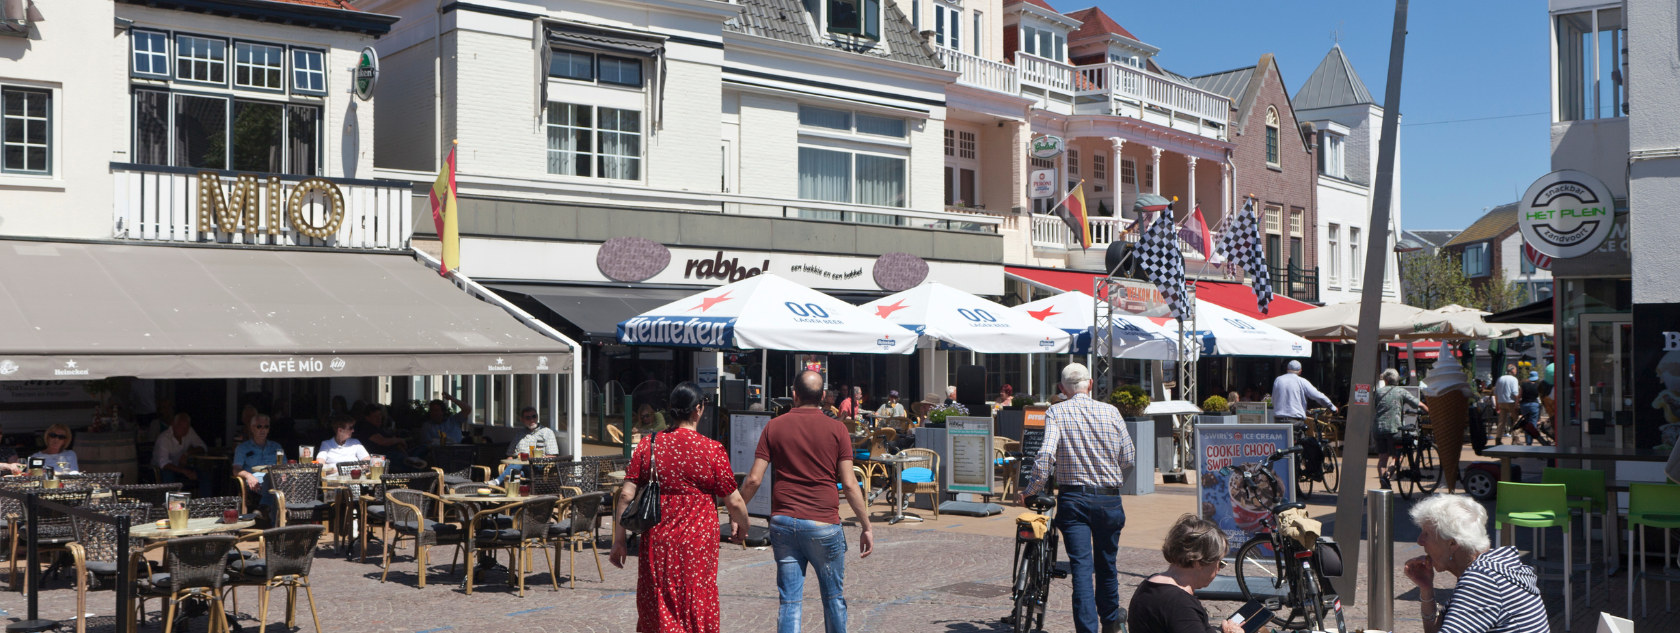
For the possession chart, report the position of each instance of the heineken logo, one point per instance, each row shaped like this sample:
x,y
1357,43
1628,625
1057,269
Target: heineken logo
x,y
1566,214
367,73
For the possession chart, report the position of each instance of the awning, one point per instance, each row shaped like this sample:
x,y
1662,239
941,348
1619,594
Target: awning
x,y
1425,350
1236,297
1537,312
89,311
595,310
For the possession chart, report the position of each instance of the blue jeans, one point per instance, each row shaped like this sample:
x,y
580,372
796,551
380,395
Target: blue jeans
x,y
796,543
1090,524
1530,415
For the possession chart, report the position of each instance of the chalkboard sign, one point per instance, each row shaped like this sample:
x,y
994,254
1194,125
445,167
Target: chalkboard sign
x,y
1031,440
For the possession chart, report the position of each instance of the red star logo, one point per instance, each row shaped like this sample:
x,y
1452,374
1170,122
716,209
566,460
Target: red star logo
x,y
1044,314
706,303
885,311
1160,320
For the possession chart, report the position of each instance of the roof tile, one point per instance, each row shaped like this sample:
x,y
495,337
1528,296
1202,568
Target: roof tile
x,y
1333,83
1489,226
1095,22
784,20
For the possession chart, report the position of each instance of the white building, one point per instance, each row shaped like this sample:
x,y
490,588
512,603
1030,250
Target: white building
x,y
1349,124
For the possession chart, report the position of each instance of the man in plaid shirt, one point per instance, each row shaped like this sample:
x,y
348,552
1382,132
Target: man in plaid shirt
x,y
1087,445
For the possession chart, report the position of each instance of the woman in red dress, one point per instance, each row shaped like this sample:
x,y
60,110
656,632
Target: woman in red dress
x,y
677,585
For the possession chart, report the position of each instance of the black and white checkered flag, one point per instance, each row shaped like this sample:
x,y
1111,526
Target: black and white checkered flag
x,y
1241,246
1162,263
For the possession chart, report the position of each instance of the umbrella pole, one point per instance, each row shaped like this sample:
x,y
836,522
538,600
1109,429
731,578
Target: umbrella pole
x,y
1411,360
764,379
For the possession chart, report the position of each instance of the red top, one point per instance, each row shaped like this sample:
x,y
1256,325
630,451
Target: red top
x,y
806,448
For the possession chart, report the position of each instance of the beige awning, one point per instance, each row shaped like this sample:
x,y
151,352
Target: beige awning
x,y
89,311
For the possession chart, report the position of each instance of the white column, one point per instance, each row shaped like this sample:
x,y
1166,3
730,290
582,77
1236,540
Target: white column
x,y
1224,190
1155,167
1117,144
1190,199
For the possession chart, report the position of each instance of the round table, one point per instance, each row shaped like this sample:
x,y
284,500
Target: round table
x,y
346,482
491,498
195,527
898,462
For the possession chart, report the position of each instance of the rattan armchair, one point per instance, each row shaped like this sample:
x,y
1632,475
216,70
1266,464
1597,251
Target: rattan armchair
x,y
454,464
209,507
150,494
372,507
408,514
54,529
930,461
95,550
301,485
197,569
288,554
530,529
92,480
580,521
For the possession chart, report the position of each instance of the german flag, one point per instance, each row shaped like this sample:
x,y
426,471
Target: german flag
x,y
444,214
1072,211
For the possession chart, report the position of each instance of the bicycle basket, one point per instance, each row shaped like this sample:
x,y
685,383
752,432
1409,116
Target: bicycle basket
x,y
1329,558
1031,526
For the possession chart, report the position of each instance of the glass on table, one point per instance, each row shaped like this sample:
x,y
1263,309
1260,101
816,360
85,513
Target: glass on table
x,y
524,490
176,503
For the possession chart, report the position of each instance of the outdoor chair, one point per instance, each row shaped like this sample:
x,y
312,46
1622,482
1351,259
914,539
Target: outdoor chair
x,y
579,522
372,507
54,531
92,480
1650,506
210,507
408,514
301,485
197,570
1538,506
454,464
930,461
150,494
288,554
95,550
530,529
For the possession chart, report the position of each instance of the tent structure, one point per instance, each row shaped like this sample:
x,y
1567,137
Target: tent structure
x,y
1134,336
939,312
767,312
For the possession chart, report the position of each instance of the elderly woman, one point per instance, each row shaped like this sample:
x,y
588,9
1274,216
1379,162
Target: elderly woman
x,y
1496,592
58,455
1166,602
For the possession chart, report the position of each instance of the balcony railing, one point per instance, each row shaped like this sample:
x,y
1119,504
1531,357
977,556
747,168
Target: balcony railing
x,y
981,73
177,204
1119,89
1294,282
1044,73
1133,83
1051,233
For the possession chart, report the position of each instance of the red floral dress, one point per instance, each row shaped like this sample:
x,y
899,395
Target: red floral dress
x,y
677,587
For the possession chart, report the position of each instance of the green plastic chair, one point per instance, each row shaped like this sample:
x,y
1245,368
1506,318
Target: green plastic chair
x,y
1658,506
1588,495
1539,506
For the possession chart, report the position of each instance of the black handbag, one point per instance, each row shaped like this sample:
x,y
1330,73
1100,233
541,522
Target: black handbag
x,y
643,511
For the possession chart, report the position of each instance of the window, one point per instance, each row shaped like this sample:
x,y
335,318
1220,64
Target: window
x,y
1477,260
1589,64
1273,222
830,118
1274,237
1073,163
916,15
26,121
880,125
947,26
258,66
979,30
1128,172
813,116
950,142
213,132
594,141
1334,240
960,187
965,145
1272,137
852,17
1099,166
151,53
200,59
1029,40
1330,159
572,65
1356,264
1295,222
962,167
826,174
621,71
308,71
260,123
1149,176
201,136
1061,43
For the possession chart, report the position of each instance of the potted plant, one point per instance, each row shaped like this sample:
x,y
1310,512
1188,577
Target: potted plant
x,y
1215,410
1131,400
1021,402
937,415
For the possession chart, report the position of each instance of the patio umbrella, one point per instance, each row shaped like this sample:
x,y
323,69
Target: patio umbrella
x,y
1226,332
1341,321
766,312
1075,313
937,311
1452,322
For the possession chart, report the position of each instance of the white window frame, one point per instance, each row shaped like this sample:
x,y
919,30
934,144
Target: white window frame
x,y
1333,238
867,29
228,100
1099,167
1128,173
255,68
595,133
1028,39
1335,159
963,155
978,34
210,63
947,25
852,132
295,70
1072,163
49,119
167,57
1356,264
1477,260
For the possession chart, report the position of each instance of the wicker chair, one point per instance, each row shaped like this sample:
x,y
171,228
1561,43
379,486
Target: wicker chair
x,y
209,507
1009,467
409,513
197,570
550,475
92,480
530,529
151,494
580,521
372,507
454,464
95,550
55,530
302,487
930,461
288,555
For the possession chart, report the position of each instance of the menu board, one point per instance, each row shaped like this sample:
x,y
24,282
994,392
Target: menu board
x,y
744,429
1031,440
969,449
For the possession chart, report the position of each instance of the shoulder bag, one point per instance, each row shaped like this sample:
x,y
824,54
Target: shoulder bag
x,y
643,511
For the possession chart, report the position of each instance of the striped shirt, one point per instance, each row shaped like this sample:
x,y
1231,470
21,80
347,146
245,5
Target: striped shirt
x,y
1497,594
1087,444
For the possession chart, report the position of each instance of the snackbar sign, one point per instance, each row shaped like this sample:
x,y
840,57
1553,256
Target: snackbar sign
x,y
1566,214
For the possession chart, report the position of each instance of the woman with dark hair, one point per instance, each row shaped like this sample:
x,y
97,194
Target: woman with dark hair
x,y
676,589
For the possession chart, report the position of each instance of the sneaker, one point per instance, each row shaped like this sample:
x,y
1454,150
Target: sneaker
x,y
1384,480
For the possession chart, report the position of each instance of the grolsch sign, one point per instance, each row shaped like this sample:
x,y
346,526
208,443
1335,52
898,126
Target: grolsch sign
x,y
729,270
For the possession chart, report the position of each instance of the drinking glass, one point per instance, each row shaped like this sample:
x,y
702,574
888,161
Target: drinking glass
x,y
536,451
230,516
524,456
306,453
355,473
176,502
524,490
376,467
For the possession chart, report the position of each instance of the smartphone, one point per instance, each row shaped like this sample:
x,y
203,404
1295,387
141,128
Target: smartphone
x,y
1252,617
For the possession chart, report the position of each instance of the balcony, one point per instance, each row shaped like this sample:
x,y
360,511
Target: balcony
x,y
980,72
1119,89
180,204
1295,282
1049,232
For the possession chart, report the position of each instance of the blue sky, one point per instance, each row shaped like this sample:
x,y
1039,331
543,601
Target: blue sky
x,y
1464,60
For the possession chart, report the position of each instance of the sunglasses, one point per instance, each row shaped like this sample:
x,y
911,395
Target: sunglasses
x,y
259,428
58,436
529,416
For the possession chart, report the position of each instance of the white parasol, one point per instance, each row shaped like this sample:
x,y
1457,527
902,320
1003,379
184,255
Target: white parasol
x,y
937,311
1134,336
767,312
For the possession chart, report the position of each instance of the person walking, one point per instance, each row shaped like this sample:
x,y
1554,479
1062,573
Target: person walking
x,y
676,582
1391,401
1506,390
811,453
1528,410
1086,446
1290,393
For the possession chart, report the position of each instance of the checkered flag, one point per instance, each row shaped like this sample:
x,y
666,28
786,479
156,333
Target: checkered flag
x,y
1162,263
1241,246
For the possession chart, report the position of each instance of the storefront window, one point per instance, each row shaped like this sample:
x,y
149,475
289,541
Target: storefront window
x,y
1581,299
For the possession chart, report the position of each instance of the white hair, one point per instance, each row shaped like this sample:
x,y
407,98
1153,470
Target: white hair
x,y
1294,365
1391,376
1076,378
1456,518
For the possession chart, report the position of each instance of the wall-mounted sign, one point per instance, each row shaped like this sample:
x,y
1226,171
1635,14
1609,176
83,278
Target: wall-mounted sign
x,y
367,73
895,272
1046,147
1566,214
243,210
1041,183
631,259
727,270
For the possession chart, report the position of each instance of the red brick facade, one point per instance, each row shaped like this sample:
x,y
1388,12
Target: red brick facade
x,y
1291,184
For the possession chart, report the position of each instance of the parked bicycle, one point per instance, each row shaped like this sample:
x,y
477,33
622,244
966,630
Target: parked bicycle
x,y
1278,570
1034,565
1321,453
1419,465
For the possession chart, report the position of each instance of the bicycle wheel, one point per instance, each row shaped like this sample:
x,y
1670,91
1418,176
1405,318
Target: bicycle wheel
x,y
1258,575
1027,581
1332,467
1405,479
1428,468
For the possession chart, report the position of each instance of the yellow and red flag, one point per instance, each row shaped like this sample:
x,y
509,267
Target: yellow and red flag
x,y
444,214
1073,212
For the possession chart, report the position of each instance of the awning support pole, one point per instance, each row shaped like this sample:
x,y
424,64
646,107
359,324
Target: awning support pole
x,y
764,380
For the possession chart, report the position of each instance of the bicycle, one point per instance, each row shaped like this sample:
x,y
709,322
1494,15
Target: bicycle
x,y
1278,570
1034,565
1419,465
1320,460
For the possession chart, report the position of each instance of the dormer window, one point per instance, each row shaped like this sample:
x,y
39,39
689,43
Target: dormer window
x,y
848,17
1042,42
1330,157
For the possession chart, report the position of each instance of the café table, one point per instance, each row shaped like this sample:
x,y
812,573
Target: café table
x,y
195,527
1628,454
898,462
339,489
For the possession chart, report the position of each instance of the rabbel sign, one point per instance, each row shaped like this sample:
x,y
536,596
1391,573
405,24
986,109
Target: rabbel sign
x,y
1566,214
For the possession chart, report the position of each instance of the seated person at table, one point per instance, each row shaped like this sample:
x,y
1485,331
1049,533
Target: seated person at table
x,y
58,456
533,435
342,447
9,461
171,450
1166,602
439,422
892,409
648,421
377,438
256,451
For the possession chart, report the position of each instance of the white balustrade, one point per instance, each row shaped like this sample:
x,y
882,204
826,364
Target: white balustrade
x,y
1044,73
1133,83
980,72
154,203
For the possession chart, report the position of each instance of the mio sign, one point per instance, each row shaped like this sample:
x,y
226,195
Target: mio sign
x,y
1566,214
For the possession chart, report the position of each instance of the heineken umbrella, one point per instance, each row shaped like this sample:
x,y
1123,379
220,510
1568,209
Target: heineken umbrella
x,y
1075,313
1226,332
767,312
937,311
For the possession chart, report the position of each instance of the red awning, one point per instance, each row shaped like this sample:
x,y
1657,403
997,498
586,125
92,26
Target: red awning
x,y
1426,350
1231,296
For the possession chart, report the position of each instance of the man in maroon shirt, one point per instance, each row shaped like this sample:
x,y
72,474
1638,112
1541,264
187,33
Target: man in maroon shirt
x,y
811,453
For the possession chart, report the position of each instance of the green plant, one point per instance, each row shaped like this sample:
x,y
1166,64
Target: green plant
x,y
1131,400
1215,405
938,414
1022,401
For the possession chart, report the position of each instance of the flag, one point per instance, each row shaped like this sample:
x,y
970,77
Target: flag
x,y
444,214
1162,263
1072,211
1241,246
1195,233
